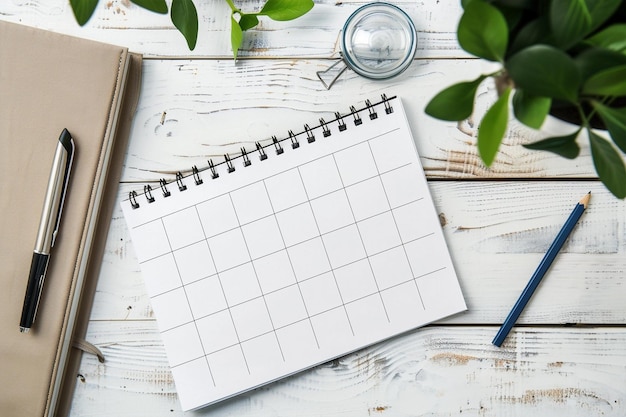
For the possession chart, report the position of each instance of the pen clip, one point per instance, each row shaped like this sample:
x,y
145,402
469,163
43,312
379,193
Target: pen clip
x,y
68,144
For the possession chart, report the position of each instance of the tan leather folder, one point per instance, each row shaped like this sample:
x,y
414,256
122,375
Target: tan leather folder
x,y
49,82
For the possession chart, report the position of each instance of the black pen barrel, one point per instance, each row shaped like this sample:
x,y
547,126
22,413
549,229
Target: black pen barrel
x,y
33,290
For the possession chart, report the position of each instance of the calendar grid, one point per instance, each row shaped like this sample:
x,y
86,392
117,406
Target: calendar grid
x,y
185,292
256,279
320,234
325,251
230,314
416,277
308,316
353,262
343,303
398,229
273,331
274,213
361,237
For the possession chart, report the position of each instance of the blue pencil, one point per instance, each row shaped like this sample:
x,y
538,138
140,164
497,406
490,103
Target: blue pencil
x,y
543,267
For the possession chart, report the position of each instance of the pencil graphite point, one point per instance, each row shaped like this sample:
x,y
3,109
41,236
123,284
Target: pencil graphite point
x,y
585,200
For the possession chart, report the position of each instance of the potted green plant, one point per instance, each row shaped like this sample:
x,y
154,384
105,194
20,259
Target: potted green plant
x,y
560,57
185,17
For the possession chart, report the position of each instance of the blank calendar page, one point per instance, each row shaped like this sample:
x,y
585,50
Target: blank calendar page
x,y
287,262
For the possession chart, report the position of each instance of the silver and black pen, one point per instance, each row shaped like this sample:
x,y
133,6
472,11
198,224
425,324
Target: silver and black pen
x,y
48,227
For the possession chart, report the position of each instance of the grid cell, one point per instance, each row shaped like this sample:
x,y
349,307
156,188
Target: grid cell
x,y
285,190
183,228
320,177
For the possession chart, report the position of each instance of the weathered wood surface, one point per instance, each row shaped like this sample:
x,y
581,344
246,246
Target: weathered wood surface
x,y
314,35
194,110
435,371
566,358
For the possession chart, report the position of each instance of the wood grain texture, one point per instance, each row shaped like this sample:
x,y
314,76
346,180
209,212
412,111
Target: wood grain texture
x,y
194,110
315,34
567,356
497,233
434,371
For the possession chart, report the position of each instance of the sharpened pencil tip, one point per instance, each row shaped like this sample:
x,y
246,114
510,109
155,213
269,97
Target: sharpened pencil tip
x,y
585,200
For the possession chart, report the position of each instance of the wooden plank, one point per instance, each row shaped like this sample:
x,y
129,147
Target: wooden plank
x,y
194,110
435,371
315,34
497,233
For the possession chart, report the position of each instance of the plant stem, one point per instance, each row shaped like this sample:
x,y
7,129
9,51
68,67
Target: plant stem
x,y
502,80
583,117
232,6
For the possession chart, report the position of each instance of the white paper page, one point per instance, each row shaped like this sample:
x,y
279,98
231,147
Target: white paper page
x,y
294,260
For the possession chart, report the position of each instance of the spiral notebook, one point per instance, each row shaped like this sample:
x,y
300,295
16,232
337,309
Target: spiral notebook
x,y
301,250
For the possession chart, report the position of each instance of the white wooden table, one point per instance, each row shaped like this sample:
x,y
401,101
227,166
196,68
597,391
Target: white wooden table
x,y
566,356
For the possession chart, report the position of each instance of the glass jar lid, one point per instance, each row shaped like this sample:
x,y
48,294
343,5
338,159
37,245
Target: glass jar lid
x,y
379,41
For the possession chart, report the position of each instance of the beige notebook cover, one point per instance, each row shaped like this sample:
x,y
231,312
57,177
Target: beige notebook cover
x,y
49,82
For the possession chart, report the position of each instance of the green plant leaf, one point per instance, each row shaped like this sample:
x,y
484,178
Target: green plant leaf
x,y
609,165
286,9
455,102
83,9
611,82
236,36
157,6
564,146
545,71
572,20
512,15
248,21
185,18
615,121
482,31
534,32
530,110
493,127
597,59
613,38
601,11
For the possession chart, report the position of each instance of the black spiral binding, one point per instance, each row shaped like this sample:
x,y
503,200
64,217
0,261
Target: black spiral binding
x,y
246,158
147,190
196,175
388,108
340,122
132,196
357,117
324,126
294,140
370,108
179,181
292,137
261,150
310,137
164,189
277,145
214,173
229,164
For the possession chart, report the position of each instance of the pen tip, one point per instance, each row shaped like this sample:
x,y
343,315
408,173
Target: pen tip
x,y
66,140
